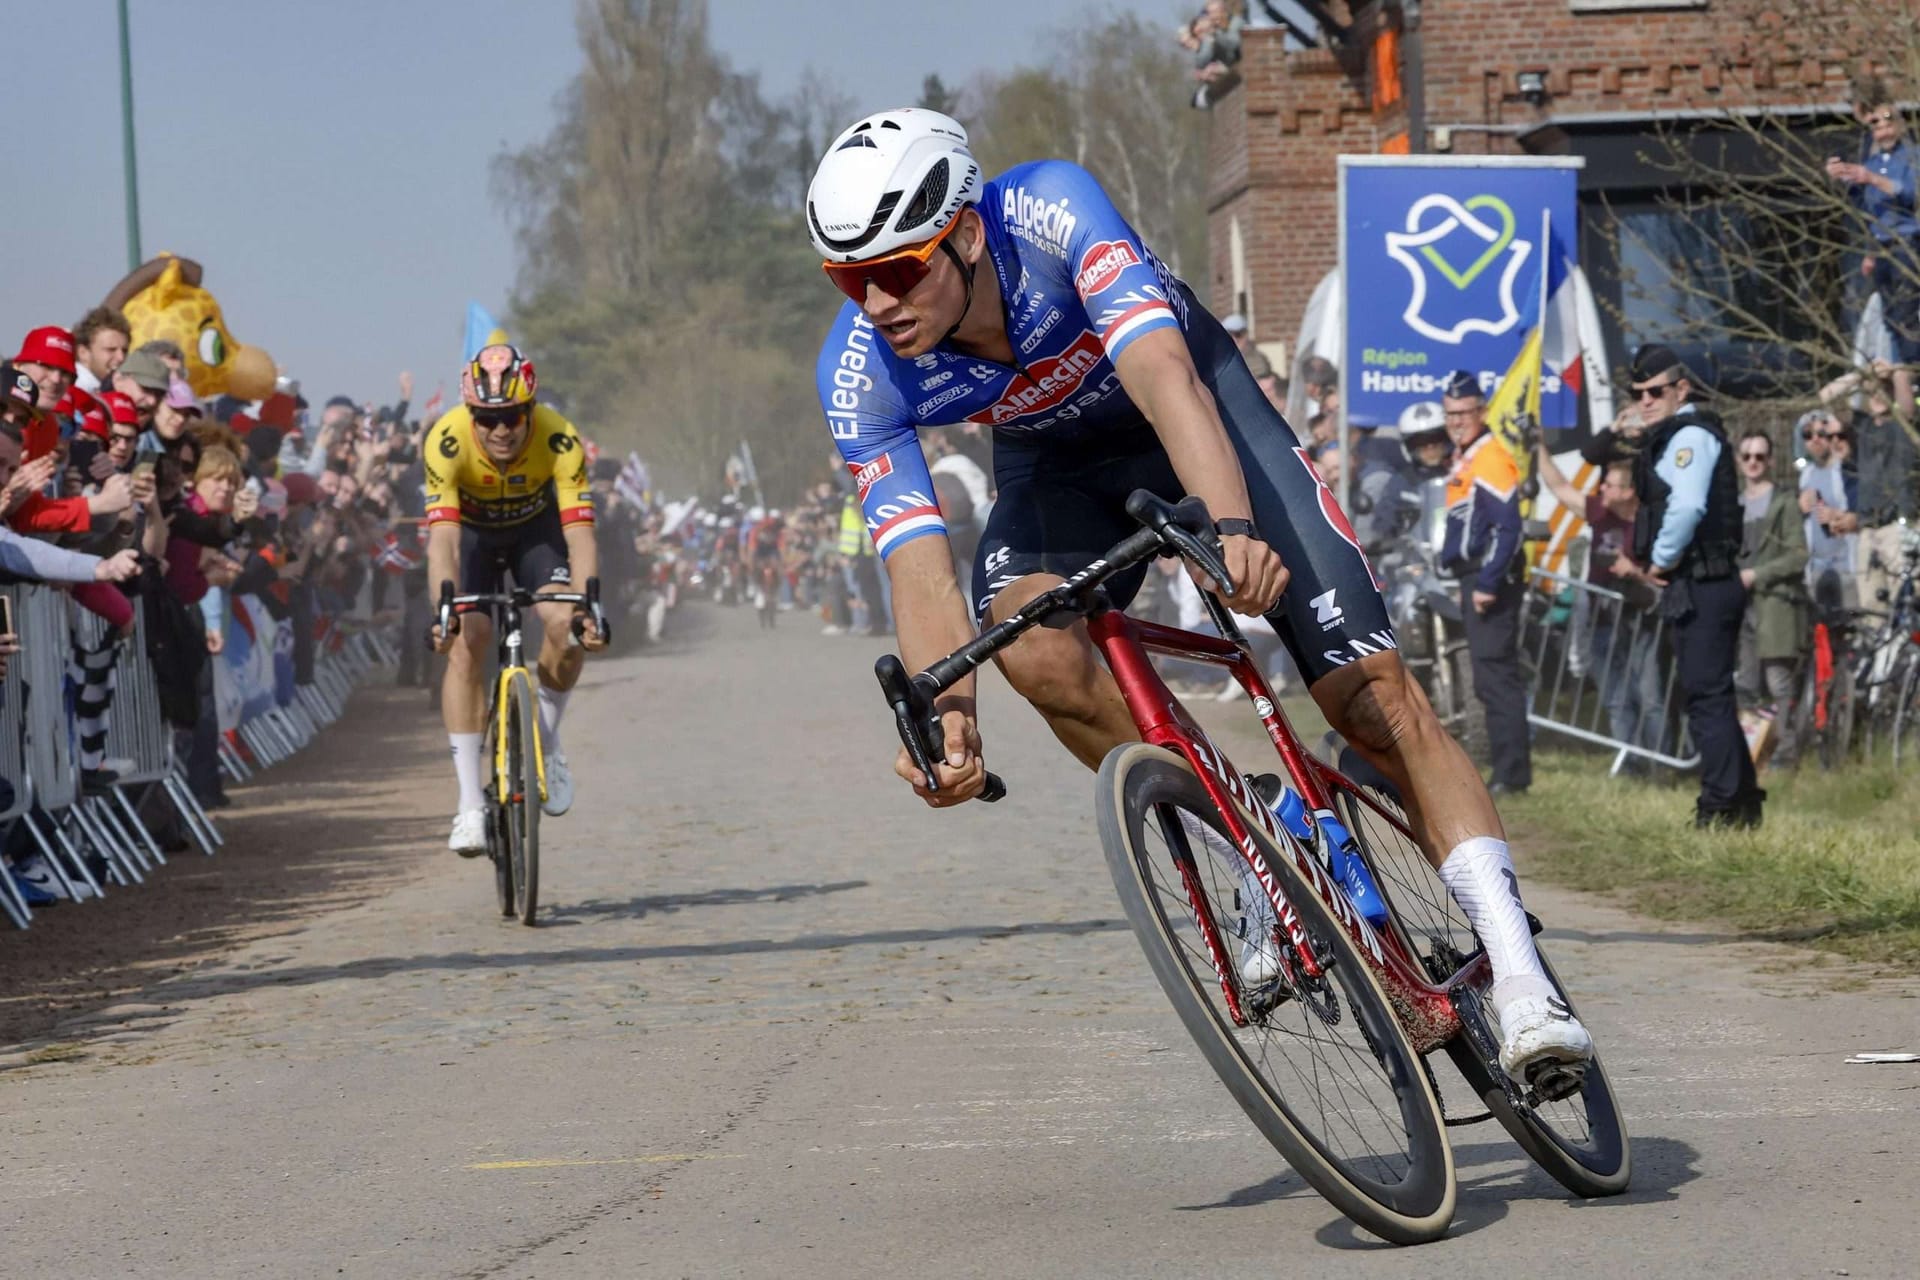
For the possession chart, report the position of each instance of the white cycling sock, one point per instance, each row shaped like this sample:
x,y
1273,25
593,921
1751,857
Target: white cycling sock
x,y
553,705
1479,874
466,767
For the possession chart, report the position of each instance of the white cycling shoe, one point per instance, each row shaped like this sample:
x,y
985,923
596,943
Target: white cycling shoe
x,y
1538,1031
559,786
469,837
1259,952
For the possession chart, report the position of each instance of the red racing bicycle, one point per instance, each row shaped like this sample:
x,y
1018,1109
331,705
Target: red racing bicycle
x,y
1330,1059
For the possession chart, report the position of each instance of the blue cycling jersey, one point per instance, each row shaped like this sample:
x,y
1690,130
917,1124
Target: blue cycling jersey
x,y
1078,287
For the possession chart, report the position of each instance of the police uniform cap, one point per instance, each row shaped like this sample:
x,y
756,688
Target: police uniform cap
x,y
1655,360
1461,384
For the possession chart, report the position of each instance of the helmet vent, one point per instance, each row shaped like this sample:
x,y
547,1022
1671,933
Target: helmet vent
x,y
857,141
928,200
888,203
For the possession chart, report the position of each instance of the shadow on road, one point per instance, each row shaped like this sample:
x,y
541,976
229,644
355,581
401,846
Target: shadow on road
x,y
272,875
1661,1166
668,903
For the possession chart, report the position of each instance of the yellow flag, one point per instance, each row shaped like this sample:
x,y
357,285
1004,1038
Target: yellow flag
x,y
1514,412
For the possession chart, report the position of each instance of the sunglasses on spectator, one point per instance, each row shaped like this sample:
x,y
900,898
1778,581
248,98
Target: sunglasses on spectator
x,y
1752,455
897,274
1828,435
1653,392
495,419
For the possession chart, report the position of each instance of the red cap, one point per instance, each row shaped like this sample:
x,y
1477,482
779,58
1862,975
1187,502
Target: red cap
x,y
65,406
93,414
242,422
302,489
121,407
277,410
49,345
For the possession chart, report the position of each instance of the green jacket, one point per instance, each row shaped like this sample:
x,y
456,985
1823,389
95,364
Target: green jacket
x,y
1778,597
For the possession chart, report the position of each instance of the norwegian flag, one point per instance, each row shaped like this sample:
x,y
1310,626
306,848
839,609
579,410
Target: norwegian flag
x,y
394,558
633,482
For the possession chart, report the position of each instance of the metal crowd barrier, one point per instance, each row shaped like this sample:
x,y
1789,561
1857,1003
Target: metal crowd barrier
x,y
1603,672
93,835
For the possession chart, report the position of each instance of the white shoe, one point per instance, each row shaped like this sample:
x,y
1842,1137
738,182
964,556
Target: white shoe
x,y
469,837
120,766
36,872
1536,1028
559,786
1259,951
832,629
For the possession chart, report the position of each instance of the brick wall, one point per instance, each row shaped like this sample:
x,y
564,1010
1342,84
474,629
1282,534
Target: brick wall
x,y
1274,139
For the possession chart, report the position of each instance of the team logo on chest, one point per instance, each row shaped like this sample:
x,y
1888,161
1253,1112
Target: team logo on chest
x,y
1046,383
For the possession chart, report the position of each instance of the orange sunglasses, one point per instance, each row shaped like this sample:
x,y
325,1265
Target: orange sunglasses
x,y
897,273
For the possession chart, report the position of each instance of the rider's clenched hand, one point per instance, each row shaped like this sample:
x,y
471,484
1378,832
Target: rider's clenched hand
x,y
1258,576
442,641
963,773
590,638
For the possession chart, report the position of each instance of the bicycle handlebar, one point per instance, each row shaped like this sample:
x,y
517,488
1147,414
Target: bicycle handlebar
x,y
1184,529
521,598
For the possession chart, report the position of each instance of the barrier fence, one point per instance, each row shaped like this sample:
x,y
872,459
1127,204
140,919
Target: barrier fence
x,y
1603,672
102,834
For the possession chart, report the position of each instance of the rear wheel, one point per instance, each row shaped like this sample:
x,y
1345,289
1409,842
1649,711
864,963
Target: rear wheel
x,y
1579,1140
1906,713
521,808
1318,1063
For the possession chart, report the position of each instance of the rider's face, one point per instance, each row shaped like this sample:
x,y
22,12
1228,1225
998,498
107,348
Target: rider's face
x,y
915,323
502,434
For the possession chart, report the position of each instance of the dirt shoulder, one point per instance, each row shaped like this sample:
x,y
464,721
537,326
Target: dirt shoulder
x,y
345,820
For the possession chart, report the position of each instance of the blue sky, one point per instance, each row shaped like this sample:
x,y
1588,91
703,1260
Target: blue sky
x,y
328,163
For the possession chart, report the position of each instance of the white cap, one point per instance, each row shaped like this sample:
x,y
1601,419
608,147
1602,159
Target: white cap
x,y
1235,323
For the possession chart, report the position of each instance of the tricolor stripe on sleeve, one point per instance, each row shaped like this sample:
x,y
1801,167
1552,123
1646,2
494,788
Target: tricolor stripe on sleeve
x,y
1135,321
899,522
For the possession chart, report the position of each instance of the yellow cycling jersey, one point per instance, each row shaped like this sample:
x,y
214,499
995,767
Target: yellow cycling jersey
x,y
464,485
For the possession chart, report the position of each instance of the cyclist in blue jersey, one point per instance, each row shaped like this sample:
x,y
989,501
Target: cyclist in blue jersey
x,y
1026,304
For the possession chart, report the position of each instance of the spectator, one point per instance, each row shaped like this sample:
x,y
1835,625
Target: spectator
x,y
1257,363
1482,548
1213,38
1889,480
1623,652
1881,186
1773,567
143,378
1827,489
169,354
1687,542
1322,383
101,341
1620,442
46,356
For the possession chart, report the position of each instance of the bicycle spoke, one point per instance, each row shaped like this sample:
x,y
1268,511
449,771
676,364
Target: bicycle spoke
x,y
1293,1048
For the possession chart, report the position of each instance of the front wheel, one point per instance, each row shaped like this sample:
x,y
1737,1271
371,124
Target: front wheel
x,y
521,796
1318,1063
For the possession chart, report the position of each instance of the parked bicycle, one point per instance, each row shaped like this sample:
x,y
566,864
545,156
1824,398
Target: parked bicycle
x,y
518,781
1330,1058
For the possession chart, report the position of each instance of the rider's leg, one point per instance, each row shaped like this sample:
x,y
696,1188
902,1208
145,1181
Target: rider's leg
x,y
561,661
1059,673
463,704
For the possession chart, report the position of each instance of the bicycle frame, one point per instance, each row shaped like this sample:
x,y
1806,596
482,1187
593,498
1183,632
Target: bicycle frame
x,y
1425,1009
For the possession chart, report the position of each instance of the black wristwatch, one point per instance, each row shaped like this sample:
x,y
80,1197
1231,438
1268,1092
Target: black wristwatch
x,y
1235,527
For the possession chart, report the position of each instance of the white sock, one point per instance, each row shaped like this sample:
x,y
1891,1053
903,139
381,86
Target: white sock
x,y
466,767
1479,874
553,705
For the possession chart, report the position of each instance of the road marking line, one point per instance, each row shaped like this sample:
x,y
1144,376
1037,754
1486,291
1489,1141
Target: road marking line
x,y
668,1158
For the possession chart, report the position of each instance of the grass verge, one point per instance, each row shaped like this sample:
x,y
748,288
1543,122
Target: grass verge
x,y
1836,864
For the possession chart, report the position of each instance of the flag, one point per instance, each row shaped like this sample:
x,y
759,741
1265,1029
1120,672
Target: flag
x,y
633,481
1550,350
482,330
430,411
394,558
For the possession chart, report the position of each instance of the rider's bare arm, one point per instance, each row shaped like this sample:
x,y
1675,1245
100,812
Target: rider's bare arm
x,y
583,554
1157,374
443,558
931,619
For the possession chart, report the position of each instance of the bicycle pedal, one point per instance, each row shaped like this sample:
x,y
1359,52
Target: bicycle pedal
x,y
1551,1081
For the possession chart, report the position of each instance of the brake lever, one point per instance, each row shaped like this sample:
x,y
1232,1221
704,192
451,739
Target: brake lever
x,y
918,724
1186,527
449,620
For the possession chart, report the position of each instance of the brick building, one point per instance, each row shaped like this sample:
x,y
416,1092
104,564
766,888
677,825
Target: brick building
x,y
1604,79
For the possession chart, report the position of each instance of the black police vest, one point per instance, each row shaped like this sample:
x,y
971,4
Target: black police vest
x,y
1714,550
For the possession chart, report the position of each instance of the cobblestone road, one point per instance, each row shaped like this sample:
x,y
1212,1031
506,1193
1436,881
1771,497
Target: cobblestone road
x,y
781,1021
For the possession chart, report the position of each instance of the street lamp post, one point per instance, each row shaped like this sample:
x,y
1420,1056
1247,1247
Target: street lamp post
x,y
126,142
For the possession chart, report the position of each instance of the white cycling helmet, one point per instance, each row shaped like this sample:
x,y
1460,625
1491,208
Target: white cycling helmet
x,y
1422,418
893,180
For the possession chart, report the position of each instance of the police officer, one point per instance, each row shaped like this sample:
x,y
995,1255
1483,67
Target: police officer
x,y
1482,548
1686,539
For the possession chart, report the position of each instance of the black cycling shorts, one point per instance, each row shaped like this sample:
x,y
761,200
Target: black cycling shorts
x,y
534,552
1060,508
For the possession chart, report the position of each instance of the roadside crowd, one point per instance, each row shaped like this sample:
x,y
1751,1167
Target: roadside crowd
x,y
123,487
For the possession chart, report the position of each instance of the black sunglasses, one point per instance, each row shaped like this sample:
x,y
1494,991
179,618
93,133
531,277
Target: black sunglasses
x,y
1653,392
494,419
